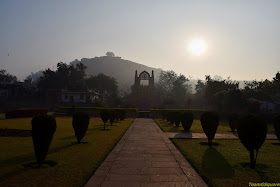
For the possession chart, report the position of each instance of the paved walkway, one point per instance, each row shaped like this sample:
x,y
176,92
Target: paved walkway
x,y
232,136
145,157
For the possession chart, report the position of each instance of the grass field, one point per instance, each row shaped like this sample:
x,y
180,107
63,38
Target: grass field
x,y
196,127
72,164
227,164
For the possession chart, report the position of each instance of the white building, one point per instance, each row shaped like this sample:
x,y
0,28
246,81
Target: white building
x,y
78,97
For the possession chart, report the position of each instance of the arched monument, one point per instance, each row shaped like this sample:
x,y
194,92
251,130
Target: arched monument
x,y
144,75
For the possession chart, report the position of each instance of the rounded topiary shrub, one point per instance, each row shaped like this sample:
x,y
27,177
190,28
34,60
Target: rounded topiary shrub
x,y
209,122
80,124
233,121
112,116
172,116
187,120
122,114
252,132
177,118
43,129
276,123
105,116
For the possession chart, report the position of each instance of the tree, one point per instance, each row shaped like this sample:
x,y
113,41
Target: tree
x,y
216,90
6,77
200,88
65,77
172,87
102,83
111,54
167,79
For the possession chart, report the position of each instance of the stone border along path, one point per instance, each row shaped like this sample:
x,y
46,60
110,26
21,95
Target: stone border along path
x,y
145,157
233,136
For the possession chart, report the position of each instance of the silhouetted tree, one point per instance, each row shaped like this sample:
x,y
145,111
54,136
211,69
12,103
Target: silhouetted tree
x,y
111,54
6,77
102,83
172,87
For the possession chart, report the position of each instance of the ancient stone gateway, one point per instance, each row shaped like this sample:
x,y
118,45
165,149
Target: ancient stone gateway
x,y
144,75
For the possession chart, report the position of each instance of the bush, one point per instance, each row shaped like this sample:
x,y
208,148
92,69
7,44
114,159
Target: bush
x,y
24,113
252,132
276,122
210,122
43,129
233,121
177,118
105,115
122,114
80,124
172,117
112,116
187,120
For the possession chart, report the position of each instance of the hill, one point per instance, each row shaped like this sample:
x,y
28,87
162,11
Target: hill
x,y
122,70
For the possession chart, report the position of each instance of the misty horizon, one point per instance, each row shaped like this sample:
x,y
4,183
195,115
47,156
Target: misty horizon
x,y
237,39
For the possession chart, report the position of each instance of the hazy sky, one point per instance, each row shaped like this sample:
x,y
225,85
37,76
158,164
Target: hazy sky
x,y
243,37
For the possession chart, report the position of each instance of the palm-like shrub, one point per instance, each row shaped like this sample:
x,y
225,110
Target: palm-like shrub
x,y
43,129
252,132
187,120
209,122
105,115
233,121
80,124
276,123
112,116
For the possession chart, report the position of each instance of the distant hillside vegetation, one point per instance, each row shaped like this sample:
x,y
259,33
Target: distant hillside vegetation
x,y
122,70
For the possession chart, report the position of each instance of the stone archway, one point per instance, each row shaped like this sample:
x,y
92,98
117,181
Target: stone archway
x,y
144,75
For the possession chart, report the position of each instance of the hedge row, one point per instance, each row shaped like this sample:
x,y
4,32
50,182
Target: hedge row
x,y
159,113
24,113
87,109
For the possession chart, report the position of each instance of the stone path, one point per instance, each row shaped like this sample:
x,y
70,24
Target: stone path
x,y
233,136
145,157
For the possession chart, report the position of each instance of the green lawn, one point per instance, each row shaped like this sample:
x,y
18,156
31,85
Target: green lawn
x,y
75,164
196,127
227,164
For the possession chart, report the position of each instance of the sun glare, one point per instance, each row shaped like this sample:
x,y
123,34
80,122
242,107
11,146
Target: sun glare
x,y
197,47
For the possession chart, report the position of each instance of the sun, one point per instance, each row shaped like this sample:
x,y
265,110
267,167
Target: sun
x,y
197,47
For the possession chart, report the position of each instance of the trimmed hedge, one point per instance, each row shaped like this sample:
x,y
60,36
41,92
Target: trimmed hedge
x,y
233,121
276,123
43,129
186,120
80,125
177,118
24,113
209,122
105,116
112,116
86,109
163,113
252,132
